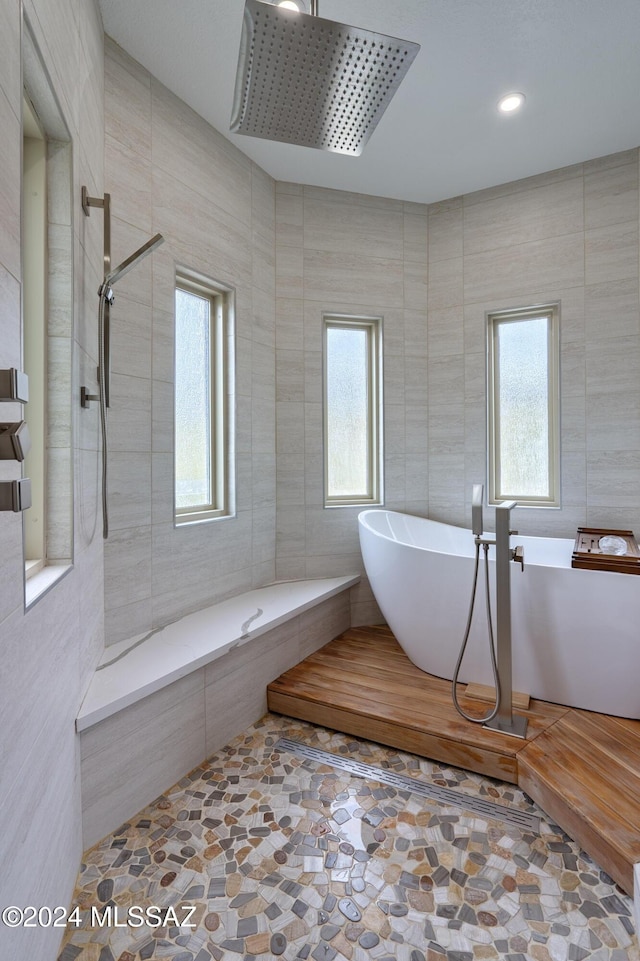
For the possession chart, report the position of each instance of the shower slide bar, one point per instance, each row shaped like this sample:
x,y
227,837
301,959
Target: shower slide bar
x,y
105,293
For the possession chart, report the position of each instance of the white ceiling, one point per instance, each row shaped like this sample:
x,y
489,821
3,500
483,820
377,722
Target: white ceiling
x,y
577,62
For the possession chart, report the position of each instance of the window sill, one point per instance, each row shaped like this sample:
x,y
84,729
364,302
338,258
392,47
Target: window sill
x,y
40,583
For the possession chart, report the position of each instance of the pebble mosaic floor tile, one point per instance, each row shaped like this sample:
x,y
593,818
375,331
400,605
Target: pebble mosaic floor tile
x,y
280,856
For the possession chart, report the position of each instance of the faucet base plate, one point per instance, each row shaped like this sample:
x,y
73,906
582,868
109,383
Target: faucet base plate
x,y
516,725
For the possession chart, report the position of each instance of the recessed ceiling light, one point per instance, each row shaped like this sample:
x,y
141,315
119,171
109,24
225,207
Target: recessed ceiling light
x,y
290,5
512,101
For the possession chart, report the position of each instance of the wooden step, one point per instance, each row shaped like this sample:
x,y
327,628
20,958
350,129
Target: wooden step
x,y
363,680
585,773
583,769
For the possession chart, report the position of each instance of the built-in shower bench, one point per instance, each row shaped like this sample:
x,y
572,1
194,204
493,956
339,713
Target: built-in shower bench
x,y
158,704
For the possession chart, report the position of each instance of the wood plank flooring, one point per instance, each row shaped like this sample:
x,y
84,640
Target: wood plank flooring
x,y
582,768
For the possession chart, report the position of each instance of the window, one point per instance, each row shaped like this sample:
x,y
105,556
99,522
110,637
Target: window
x,y
35,265
47,326
524,406
352,403
203,346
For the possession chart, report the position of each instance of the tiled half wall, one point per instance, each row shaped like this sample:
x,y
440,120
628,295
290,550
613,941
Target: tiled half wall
x,y
130,758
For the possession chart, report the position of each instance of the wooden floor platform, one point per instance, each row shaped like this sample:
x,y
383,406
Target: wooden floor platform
x,y
583,769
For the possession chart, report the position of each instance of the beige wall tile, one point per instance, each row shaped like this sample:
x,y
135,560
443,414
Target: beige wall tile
x,y
127,571
394,379
416,380
129,183
124,622
446,230
348,199
10,154
613,421
415,338
129,489
446,380
131,338
574,479
289,219
127,83
231,703
415,285
611,253
416,231
518,271
188,149
167,744
445,283
332,531
540,213
130,413
368,229
290,533
611,309
60,285
613,366
323,623
611,194
446,331
352,278
10,79
394,432
290,323
290,376
447,429
514,187
289,272
573,362
613,478
611,160
573,422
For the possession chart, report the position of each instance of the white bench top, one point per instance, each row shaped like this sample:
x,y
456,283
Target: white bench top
x,y
132,669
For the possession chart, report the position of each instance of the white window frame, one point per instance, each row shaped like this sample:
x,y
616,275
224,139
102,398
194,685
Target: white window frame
x,y
373,328
494,320
35,268
221,339
49,553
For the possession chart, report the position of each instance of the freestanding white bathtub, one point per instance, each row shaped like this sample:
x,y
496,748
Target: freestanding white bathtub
x,y
575,633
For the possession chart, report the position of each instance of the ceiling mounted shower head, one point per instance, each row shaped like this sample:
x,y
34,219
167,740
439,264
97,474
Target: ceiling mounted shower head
x,y
313,82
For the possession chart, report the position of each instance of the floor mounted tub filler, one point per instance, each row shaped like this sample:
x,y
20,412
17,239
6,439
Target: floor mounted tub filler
x,y
575,633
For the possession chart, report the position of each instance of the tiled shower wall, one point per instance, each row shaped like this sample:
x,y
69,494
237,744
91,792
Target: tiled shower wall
x,y
354,254
49,652
169,171
569,235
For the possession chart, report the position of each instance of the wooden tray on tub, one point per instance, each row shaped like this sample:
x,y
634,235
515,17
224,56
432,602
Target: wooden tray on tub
x,y
601,549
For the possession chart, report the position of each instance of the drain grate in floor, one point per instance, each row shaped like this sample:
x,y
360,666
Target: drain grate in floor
x,y
444,795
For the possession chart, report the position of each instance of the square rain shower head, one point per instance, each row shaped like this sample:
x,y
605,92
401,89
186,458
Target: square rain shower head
x,y
314,82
